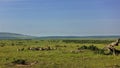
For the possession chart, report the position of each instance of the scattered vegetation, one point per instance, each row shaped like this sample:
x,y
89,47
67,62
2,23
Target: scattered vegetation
x,y
56,54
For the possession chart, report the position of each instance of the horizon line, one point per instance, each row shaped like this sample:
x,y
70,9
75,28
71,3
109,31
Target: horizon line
x,y
82,35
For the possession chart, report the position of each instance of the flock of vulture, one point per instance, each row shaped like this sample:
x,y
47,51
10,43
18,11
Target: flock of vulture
x,y
37,48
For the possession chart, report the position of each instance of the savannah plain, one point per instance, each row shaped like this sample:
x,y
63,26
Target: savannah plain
x,y
56,53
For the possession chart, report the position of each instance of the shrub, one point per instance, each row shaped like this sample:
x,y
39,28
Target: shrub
x,y
2,44
19,61
93,48
83,47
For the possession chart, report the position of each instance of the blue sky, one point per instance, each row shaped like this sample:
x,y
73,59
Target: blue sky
x,y
60,17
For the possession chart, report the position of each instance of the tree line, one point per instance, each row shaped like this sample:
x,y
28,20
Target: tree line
x,y
88,41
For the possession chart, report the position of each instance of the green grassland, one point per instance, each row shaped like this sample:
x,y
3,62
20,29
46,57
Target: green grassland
x,y
64,55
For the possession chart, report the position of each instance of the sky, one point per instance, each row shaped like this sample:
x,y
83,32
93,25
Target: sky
x,y
60,17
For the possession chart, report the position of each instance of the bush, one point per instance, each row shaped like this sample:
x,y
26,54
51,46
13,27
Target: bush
x,y
93,48
2,44
83,47
19,61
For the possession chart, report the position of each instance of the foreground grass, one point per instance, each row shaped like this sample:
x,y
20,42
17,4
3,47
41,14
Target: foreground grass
x,y
62,57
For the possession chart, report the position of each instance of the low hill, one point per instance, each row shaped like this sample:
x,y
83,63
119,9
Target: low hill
x,y
80,37
6,35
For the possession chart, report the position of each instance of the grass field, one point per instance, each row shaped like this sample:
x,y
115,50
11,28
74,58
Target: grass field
x,y
63,54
